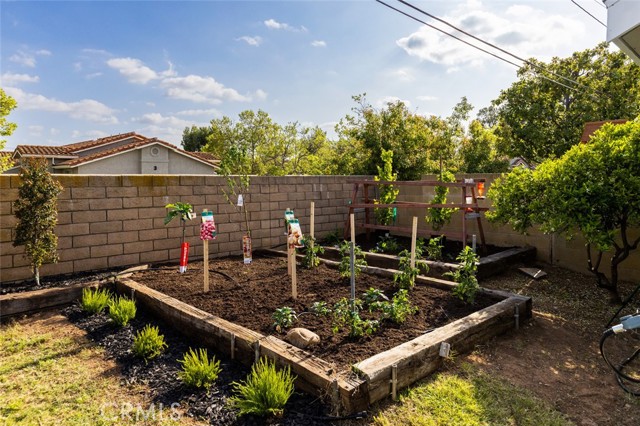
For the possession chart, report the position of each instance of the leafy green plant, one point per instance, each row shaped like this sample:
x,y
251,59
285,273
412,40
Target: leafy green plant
x,y
122,310
320,308
37,214
265,391
94,300
386,244
284,317
399,308
346,314
311,253
333,238
465,275
405,278
434,248
198,370
148,343
184,211
388,193
345,262
372,297
440,216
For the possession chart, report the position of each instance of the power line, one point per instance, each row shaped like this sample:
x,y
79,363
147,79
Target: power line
x,y
531,64
588,13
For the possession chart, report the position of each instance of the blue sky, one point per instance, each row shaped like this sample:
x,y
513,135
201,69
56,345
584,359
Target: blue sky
x,y
86,69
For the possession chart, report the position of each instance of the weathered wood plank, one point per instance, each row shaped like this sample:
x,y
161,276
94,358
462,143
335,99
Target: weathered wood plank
x,y
30,301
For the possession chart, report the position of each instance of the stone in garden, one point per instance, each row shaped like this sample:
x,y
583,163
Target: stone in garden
x,y
534,273
302,338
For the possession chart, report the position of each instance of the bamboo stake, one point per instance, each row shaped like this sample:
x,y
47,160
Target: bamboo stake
x,y
414,233
353,258
394,382
312,224
205,254
294,277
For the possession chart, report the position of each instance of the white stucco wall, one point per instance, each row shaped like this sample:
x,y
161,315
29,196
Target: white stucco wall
x,y
125,163
181,164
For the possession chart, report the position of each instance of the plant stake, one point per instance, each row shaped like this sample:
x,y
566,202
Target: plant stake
x,y
207,232
414,233
294,239
353,260
185,212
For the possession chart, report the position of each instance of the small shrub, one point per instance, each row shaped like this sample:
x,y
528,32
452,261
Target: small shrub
x,y
148,343
122,310
434,248
346,314
265,392
465,276
198,370
94,300
345,262
372,298
320,308
311,258
284,318
387,244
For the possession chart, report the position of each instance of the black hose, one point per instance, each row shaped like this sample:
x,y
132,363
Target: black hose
x,y
620,375
355,416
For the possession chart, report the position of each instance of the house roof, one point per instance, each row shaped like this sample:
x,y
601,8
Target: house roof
x,y
591,127
41,151
81,146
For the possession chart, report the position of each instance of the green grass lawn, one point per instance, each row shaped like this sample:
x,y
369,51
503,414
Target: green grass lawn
x,y
51,374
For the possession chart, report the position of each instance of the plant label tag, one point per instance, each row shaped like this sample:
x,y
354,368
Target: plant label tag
x,y
445,348
240,200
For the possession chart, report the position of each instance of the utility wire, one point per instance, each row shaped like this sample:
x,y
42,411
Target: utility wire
x,y
481,49
526,61
588,13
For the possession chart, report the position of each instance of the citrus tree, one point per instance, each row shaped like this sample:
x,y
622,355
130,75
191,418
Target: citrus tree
x,y
37,214
593,189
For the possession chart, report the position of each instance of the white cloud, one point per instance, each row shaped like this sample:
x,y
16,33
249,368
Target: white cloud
x,y
403,74
28,58
382,102
260,95
9,79
251,41
158,119
426,98
275,25
88,134
85,109
35,130
200,89
96,52
54,132
43,52
198,112
133,70
523,30
93,75
319,43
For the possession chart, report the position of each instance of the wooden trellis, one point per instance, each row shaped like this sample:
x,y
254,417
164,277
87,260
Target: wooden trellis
x,y
468,189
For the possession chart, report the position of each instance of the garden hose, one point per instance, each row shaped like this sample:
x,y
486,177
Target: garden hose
x,y
355,416
629,322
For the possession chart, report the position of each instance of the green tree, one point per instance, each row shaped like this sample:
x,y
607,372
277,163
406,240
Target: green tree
x,y
478,153
7,104
37,215
195,138
540,119
388,193
593,189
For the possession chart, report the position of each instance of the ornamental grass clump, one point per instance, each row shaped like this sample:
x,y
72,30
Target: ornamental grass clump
x,y
198,370
265,392
122,310
148,343
94,300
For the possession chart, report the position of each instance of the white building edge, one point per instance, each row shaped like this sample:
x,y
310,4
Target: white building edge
x,y
623,26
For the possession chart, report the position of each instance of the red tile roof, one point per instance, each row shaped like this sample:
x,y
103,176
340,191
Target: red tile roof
x,y
591,127
80,146
42,151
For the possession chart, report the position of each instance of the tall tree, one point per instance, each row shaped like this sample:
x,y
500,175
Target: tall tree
x,y
7,104
539,119
37,214
195,138
593,189
478,152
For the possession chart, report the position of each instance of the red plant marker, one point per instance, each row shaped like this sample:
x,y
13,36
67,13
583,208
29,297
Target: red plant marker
x,y
184,257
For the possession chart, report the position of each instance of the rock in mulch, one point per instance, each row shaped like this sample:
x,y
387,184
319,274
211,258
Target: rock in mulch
x,y
302,338
161,374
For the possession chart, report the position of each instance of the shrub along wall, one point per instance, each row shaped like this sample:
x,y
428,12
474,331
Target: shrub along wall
x,y
116,220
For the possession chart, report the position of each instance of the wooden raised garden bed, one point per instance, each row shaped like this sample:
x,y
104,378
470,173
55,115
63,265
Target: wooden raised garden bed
x,y
350,384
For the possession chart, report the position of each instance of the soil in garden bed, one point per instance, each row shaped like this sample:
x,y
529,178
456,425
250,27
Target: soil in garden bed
x,y
54,281
249,295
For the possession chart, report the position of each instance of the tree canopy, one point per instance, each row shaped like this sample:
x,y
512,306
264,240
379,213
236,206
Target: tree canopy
x,y
539,119
7,104
594,189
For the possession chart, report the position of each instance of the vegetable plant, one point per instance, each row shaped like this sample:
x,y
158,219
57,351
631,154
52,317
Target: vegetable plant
x,y
434,248
320,308
284,318
440,216
265,392
198,370
388,193
405,278
346,314
345,262
148,343
311,258
465,275
94,300
399,308
387,244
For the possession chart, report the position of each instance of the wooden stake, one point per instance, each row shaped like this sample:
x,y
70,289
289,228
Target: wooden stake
x,y
394,382
288,258
352,220
353,259
414,234
312,220
205,254
294,277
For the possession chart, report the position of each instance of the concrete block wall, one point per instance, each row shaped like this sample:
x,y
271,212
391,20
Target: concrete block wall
x,y
113,221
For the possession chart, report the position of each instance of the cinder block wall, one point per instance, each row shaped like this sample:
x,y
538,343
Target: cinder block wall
x,y
117,220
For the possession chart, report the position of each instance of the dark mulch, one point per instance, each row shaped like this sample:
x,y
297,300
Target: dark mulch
x,y
64,280
160,374
248,295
